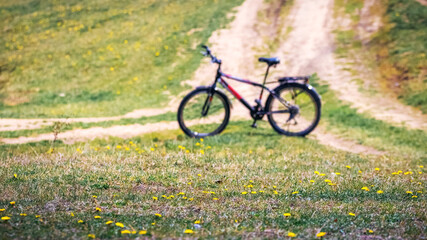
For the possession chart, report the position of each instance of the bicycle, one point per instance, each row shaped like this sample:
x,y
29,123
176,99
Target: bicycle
x,y
206,110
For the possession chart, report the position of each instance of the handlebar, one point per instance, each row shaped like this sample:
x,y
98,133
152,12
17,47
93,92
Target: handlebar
x,y
208,53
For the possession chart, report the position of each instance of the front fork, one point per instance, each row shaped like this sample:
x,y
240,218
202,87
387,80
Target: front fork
x,y
209,99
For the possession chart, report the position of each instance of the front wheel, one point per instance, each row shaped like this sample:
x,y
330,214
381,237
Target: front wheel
x,y
301,117
204,112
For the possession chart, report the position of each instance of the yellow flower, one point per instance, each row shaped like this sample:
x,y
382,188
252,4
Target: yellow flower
x,y
23,214
2,209
12,203
199,175
414,196
158,215
370,231
5,218
348,167
91,235
360,171
312,181
327,180
112,69
109,222
201,151
118,147
321,234
201,139
253,192
244,193
366,189
142,232
380,192
80,221
154,198
351,214
98,209
215,199
157,54
15,175
190,199
377,169
188,231
71,214
337,173
421,166
275,192
287,214
291,234
97,217
409,192
295,192
119,224
94,196
197,222
125,232
37,216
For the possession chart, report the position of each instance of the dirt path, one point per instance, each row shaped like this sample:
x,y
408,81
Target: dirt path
x,y
235,46
310,48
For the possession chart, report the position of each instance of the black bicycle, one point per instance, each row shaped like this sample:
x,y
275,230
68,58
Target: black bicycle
x,y
293,108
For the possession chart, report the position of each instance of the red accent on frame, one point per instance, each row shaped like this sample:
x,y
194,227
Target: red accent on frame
x,y
234,92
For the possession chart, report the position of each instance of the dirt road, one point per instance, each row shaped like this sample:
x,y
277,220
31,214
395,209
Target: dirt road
x,y
308,48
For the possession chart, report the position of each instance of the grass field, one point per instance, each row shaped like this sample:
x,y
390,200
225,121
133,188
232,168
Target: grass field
x,y
100,58
244,183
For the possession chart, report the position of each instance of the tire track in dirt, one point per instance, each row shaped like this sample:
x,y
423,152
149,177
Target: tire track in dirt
x,y
310,48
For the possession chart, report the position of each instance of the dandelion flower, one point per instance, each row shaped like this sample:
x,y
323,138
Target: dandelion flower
x,y
197,222
97,217
275,192
380,192
154,198
2,209
312,181
142,232
23,214
327,180
91,235
244,193
15,175
377,169
94,196
287,214
12,203
409,192
215,199
351,214
119,224
188,231
125,232
421,166
37,216
365,188
157,54
337,173
321,234
98,209
158,215
295,192
253,192
112,69
291,234
80,221
5,218
109,222
370,231
414,196
348,166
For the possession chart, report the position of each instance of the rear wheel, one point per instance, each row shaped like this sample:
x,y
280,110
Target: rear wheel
x,y
201,115
303,115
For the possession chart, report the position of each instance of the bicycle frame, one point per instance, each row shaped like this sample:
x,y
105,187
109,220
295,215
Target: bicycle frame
x,y
220,79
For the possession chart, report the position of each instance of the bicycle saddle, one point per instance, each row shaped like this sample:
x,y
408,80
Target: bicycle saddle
x,y
269,61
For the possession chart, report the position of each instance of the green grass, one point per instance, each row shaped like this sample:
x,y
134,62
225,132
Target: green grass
x,y
125,180
100,58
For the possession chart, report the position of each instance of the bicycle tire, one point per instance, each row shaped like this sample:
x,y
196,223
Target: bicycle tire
x,y
187,128
315,98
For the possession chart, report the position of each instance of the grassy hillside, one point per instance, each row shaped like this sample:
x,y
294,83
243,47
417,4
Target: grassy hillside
x,y
100,57
402,50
